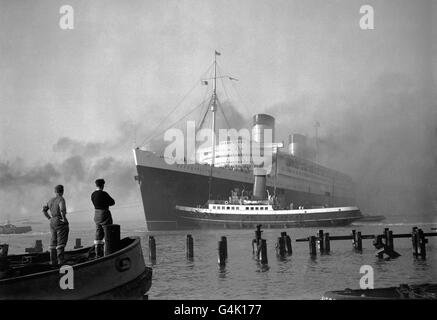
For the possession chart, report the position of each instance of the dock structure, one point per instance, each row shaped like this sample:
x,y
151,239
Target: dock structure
x,y
384,243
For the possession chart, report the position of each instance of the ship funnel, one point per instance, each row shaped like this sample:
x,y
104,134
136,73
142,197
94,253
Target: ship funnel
x,y
260,123
259,186
298,146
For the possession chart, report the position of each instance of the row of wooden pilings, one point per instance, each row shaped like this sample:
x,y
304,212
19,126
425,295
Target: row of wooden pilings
x,y
259,247
384,243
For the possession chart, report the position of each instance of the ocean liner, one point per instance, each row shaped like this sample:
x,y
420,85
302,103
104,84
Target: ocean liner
x,y
294,179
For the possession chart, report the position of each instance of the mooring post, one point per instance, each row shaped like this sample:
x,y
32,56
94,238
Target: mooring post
x,y
78,244
112,238
326,242
422,243
414,241
225,246
4,266
221,253
258,233
354,239
379,245
320,241
280,246
38,246
359,241
288,244
190,251
313,246
152,248
390,240
386,237
263,252
4,248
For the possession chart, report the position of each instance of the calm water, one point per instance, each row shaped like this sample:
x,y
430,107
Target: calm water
x,y
296,277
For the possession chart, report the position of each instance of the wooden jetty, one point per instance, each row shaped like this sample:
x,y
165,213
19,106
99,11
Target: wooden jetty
x,y
404,291
384,243
119,274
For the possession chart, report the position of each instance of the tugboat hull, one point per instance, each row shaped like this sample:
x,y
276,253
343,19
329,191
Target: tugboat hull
x,y
328,217
120,275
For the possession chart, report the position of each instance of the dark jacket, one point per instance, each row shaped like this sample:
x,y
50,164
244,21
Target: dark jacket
x,y
101,200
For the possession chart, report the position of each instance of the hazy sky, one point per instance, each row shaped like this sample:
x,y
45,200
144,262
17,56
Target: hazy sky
x,y
86,94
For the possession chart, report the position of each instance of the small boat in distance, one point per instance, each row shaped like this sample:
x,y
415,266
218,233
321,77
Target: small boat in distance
x,y
121,274
12,229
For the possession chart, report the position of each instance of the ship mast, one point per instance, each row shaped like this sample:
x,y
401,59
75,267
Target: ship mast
x,y
213,110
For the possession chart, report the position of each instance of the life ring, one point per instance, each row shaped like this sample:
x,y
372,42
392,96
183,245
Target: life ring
x,y
226,202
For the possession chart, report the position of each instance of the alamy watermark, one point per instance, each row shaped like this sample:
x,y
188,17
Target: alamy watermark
x,y
250,147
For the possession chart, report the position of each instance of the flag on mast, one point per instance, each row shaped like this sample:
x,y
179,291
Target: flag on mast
x,y
217,53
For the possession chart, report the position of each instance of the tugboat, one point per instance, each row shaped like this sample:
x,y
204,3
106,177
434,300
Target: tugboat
x,y
242,211
11,229
120,274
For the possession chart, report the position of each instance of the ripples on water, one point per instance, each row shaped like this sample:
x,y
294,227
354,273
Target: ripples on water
x,y
296,277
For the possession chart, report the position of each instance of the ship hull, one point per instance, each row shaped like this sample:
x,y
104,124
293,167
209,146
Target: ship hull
x,y
163,189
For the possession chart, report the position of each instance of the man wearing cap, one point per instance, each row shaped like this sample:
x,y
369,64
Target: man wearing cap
x,y
101,201
59,226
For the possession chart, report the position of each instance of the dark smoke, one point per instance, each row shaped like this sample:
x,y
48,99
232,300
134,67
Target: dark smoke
x,y
385,139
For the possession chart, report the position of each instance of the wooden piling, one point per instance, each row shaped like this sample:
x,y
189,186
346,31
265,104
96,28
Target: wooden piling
x,y
263,252
358,241
354,239
390,241
112,238
78,244
379,245
313,246
280,246
288,245
414,241
152,248
422,241
221,253
320,241
225,246
326,242
258,233
190,247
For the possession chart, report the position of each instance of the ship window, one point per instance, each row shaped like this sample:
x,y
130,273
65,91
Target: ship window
x,y
267,208
213,207
228,208
233,208
238,208
247,208
251,208
256,208
223,207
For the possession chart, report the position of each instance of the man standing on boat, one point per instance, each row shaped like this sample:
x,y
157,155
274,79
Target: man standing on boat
x,y
102,217
59,226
